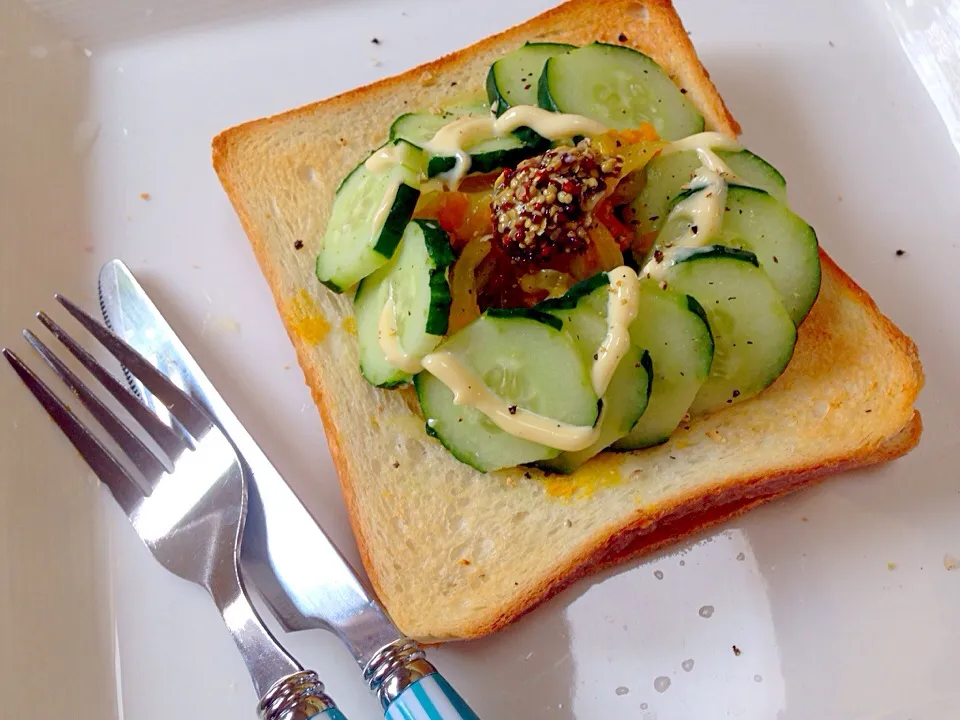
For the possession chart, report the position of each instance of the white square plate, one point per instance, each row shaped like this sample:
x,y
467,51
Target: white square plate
x,y
838,598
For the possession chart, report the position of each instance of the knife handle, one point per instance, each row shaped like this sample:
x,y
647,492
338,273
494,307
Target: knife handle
x,y
298,697
430,698
410,688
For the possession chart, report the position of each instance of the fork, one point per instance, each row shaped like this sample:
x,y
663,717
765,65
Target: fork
x,y
189,511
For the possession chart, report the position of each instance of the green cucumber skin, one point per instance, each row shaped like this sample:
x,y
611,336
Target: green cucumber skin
x,y
437,242
356,167
688,254
493,92
488,162
697,309
570,299
544,98
738,160
397,219
528,313
438,317
498,99
647,362
330,285
438,165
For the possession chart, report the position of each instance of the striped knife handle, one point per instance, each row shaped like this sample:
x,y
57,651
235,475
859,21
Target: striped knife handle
x,y
430,698
410,688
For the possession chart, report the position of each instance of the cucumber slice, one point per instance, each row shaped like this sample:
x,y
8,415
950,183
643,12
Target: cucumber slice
x,y
584,318
528,314
674,328
415,281
370,212
752,331
667,174
618,87
572,297
627,398
499,350
754,171
784,244
512,80
486,156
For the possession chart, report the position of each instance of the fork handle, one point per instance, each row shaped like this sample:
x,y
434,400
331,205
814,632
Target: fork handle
x,y
299,696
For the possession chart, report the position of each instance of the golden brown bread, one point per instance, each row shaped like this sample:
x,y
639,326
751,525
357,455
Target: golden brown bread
x,y
454,553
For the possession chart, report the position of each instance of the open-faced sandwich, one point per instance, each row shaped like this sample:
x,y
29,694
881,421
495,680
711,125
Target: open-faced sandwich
x,y
567,316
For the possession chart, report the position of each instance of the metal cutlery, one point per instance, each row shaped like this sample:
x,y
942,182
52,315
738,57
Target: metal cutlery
x,y
324,593
188,508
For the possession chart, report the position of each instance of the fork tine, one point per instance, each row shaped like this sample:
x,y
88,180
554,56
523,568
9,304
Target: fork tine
x,y
180,405
100,460
140,454
166,438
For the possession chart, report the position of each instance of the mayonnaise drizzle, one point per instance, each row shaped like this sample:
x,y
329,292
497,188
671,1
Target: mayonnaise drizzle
x,y
469,389
703,209
389,340
622,307
453,139
385,158
708,140
380,216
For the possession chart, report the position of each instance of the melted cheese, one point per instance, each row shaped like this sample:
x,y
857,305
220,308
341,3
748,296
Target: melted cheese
x,y
389,341
469,389
622,307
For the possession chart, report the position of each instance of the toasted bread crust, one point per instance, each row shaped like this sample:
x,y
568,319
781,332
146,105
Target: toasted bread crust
x,y
654,28
650,26
692,515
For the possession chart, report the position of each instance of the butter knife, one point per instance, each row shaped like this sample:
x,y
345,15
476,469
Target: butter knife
x,y
324,593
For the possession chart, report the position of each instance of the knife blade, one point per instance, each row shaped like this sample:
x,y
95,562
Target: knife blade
x,y
280,533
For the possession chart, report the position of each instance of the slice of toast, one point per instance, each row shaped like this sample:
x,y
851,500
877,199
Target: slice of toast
x,y
454,553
